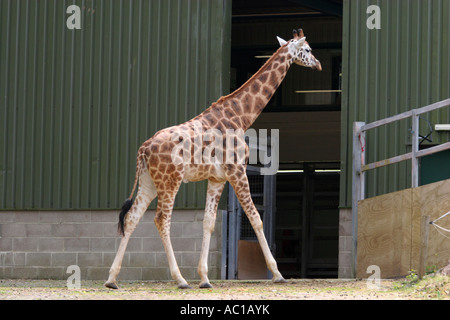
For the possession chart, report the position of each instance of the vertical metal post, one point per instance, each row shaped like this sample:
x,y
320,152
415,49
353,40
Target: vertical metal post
x,y
415,149
224,259
233,224
269,199
358,185
305,221
362,174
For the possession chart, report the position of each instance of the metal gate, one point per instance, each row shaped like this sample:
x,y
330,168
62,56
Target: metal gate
x,y
236,227
360,167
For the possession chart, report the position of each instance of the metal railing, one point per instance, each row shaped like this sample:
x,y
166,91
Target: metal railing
x,y
360,167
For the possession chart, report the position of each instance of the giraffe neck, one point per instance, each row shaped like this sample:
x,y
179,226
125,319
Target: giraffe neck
x,y
240,109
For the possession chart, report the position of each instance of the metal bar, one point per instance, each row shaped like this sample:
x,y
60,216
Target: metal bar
x,y
305,229
383,163
435,149
433,106
406,114
223,269
232,235
269,198
383,122
362,178
356,195
406,156
415,153
359,167
415,149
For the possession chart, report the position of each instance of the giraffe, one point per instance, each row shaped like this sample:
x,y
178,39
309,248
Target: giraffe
x,y
159,175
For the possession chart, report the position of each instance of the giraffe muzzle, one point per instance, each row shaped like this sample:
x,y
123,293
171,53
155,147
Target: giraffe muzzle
x,y
317,66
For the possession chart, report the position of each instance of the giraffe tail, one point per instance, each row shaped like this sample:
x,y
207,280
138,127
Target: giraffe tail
x,y
128,202
125,208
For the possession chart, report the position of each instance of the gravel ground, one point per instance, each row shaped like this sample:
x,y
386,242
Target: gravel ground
x,y
305,289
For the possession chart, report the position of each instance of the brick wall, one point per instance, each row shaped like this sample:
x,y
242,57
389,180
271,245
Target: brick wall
x,y
42,244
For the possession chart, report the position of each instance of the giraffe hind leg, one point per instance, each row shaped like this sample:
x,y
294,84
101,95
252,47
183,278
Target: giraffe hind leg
x,y
162,222
166,198
212,200
145,195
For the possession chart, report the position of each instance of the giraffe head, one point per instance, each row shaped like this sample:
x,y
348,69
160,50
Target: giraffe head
x,y
300,51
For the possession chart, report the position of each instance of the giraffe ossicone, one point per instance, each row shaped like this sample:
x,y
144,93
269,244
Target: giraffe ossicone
x,y
209,147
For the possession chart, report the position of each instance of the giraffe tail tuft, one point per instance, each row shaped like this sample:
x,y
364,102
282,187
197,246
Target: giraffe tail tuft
x,y
129,202
125,208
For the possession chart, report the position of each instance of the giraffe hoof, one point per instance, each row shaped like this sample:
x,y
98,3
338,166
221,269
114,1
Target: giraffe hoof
x,y
184,286
205,285
111,285
279,280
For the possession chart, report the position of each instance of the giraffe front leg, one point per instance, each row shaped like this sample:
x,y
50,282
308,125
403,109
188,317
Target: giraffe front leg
x,y
212,200
257,225
242,190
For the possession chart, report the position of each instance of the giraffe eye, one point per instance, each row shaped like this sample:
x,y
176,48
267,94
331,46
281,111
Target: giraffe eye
x,y
308,50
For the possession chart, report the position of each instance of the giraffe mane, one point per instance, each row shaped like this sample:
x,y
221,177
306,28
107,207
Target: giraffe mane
x,y
257,73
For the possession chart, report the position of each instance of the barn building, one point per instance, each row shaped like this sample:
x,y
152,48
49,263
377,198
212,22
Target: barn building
x,y
80,91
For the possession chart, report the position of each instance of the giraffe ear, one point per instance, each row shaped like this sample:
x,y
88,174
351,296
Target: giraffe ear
x,y
299,43
281,41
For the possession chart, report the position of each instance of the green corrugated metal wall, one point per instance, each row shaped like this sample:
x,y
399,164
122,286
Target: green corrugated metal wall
x,y
403,66
76,104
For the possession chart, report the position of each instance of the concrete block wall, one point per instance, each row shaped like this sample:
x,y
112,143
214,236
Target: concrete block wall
x,y
345,243
42,244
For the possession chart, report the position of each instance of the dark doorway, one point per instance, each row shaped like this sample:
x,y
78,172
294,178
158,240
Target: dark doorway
x,y
307,221
306,110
